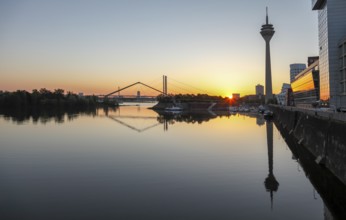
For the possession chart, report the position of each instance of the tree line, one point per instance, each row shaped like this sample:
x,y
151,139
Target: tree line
x,y
45,98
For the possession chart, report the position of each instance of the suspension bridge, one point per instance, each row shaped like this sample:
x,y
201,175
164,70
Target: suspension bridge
x,y
148,92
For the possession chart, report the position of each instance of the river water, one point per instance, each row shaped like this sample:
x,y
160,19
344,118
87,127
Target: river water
x,y
133,163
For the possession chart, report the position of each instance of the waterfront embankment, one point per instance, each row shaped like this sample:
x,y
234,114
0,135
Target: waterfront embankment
x,y
328,186
321,133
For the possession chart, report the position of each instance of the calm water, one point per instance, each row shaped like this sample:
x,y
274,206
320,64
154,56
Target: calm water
x,y
132,163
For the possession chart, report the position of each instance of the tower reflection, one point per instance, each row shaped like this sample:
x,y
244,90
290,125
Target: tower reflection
x,y
270,183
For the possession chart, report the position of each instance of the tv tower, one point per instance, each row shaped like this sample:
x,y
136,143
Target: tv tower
x,y
267,32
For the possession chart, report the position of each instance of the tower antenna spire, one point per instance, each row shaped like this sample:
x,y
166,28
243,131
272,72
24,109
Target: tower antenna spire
x,y
267,20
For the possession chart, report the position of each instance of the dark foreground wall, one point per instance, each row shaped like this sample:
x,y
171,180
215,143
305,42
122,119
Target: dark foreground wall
x,y
330,188
324,136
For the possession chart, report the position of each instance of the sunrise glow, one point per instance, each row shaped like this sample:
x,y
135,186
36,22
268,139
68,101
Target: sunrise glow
x,y
84,48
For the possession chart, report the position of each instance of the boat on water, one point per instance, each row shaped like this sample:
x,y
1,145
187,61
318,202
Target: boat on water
x,y
174,109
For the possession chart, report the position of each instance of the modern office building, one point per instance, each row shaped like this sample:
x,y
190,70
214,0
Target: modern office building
x,y
295,69
305,87
342,50
267,32
332,34
259,90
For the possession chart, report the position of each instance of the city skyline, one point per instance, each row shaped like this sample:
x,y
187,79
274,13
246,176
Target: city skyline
x,y
96,47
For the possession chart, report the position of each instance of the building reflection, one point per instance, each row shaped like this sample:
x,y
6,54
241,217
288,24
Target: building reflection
x,y
165,125
165,118
270,183
260,120
170,118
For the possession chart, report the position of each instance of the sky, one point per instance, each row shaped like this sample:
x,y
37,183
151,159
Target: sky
x,y
97,46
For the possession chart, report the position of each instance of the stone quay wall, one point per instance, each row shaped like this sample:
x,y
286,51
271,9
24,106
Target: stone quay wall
x,y
323,134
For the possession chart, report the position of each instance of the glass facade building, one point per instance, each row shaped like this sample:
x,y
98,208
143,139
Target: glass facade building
x,y
295,69
342,60
305,87
331,26
324,61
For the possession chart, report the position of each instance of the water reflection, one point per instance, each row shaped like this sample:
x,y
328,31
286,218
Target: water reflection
x,y
198,117
43,116
260,120
164,118
270,183
119,121
191,168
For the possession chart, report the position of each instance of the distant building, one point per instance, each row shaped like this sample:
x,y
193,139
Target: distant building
x,y
305,87
80,94
138,94
332,40
235,96
295,69
259,90
282,96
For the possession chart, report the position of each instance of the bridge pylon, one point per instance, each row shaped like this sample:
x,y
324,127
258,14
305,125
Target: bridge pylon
x,y
164,89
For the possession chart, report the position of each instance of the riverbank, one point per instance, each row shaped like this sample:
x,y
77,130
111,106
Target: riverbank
x,y
321,133
51,101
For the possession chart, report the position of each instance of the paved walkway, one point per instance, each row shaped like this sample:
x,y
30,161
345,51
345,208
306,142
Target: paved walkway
x,y
330,115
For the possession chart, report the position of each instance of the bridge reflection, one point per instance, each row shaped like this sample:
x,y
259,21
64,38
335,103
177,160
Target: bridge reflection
x,y
161,117
116,119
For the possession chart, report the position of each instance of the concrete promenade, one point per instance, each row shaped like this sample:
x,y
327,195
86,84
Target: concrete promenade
x,y
328,115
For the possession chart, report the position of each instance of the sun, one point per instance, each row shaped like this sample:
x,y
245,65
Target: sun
x,y
230,96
